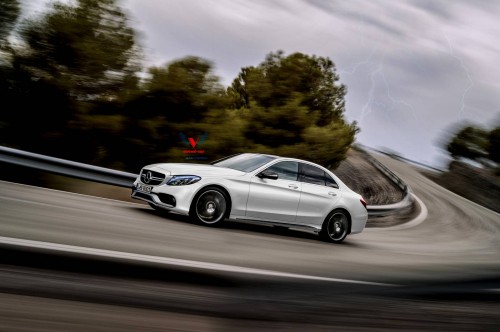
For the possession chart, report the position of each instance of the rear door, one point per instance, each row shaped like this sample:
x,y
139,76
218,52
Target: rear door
x,y
318,197
275,200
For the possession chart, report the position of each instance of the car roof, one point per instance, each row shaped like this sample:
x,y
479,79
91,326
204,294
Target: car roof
x,y
286,158
274,156
263,154
280,157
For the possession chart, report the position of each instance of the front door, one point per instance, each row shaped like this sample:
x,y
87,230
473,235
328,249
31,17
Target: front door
x,y
275,200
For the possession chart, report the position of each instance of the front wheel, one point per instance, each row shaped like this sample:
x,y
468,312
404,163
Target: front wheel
x,y
209,206
335,227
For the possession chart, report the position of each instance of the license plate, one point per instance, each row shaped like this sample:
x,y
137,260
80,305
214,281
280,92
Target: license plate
x,y
143,188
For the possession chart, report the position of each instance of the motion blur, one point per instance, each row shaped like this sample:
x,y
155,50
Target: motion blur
x,y
77,83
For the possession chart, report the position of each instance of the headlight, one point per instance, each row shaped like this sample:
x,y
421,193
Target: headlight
x,y
182,180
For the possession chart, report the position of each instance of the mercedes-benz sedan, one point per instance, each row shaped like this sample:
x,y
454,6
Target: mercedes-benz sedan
x,y
257,188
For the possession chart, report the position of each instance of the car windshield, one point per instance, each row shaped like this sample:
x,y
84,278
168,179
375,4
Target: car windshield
x,y
245,162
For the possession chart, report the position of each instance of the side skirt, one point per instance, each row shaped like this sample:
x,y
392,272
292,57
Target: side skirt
x,y
304,228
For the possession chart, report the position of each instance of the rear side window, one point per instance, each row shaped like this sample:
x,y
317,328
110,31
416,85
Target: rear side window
x,y
312,174
287,170
330,182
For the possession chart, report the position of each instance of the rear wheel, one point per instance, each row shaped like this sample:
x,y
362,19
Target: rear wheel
x,y
335,227
209,206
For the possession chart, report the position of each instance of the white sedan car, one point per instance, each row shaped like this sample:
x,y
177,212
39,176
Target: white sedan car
x,y
257,188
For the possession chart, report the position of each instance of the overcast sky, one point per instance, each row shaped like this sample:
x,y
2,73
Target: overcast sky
x,y
412,68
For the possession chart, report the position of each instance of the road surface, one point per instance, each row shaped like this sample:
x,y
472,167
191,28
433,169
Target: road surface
x,y
441,272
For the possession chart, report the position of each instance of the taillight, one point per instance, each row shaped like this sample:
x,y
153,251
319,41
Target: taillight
x,y
363,202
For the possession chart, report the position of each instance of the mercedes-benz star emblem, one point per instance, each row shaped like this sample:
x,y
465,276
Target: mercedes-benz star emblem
x,y
147,178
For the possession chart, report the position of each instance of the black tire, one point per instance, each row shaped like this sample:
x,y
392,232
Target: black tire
x,y
336,226
209,207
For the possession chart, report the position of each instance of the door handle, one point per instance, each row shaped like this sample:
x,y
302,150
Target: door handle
x,y
292,186
331,193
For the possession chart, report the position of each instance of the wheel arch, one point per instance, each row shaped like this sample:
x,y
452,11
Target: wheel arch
x,y
220,187
348,214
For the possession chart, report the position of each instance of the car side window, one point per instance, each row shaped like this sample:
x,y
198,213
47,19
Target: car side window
x,y
312,174
330,182
287,170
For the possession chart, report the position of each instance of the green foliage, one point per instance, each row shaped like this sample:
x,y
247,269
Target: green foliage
x,y
238,131
279,125
184,89
78,95
175,98
85,46
77,58
294,107
469,142
278,79
326,145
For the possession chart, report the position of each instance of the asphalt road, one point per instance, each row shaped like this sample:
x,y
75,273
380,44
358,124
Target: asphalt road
x,y
76,295
457,240
447,268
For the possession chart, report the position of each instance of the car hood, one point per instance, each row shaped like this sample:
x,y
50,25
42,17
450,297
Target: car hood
x,y
194,169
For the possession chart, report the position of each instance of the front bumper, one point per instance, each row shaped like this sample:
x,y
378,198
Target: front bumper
x,y
173,198
153,198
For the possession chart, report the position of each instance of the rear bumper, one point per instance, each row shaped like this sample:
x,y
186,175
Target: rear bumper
x,y
358,221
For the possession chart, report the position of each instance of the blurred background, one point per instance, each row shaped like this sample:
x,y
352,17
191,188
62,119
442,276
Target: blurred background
x,y
123,84
112,83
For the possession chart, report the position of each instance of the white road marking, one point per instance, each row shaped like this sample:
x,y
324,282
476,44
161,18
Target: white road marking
x,y
410,224
171,261
417,220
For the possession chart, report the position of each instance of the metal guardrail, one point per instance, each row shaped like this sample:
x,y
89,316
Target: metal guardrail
x,y
66,167
383,210
124,179
387,172
403,159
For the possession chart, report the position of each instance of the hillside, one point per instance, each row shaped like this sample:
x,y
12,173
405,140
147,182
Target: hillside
x,y
481,186
362,177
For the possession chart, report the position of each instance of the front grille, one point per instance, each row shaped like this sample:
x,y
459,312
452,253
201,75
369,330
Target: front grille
x,y
151,177
167,199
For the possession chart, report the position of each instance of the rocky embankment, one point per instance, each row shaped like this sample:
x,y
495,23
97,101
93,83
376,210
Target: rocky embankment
x,y
364,178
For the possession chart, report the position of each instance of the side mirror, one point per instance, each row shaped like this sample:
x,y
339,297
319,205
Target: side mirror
x,y
268,175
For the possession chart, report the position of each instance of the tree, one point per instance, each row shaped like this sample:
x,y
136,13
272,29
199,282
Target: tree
x,y
278,79
174,99
77,58
469,142
185,89
85,46
294,106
